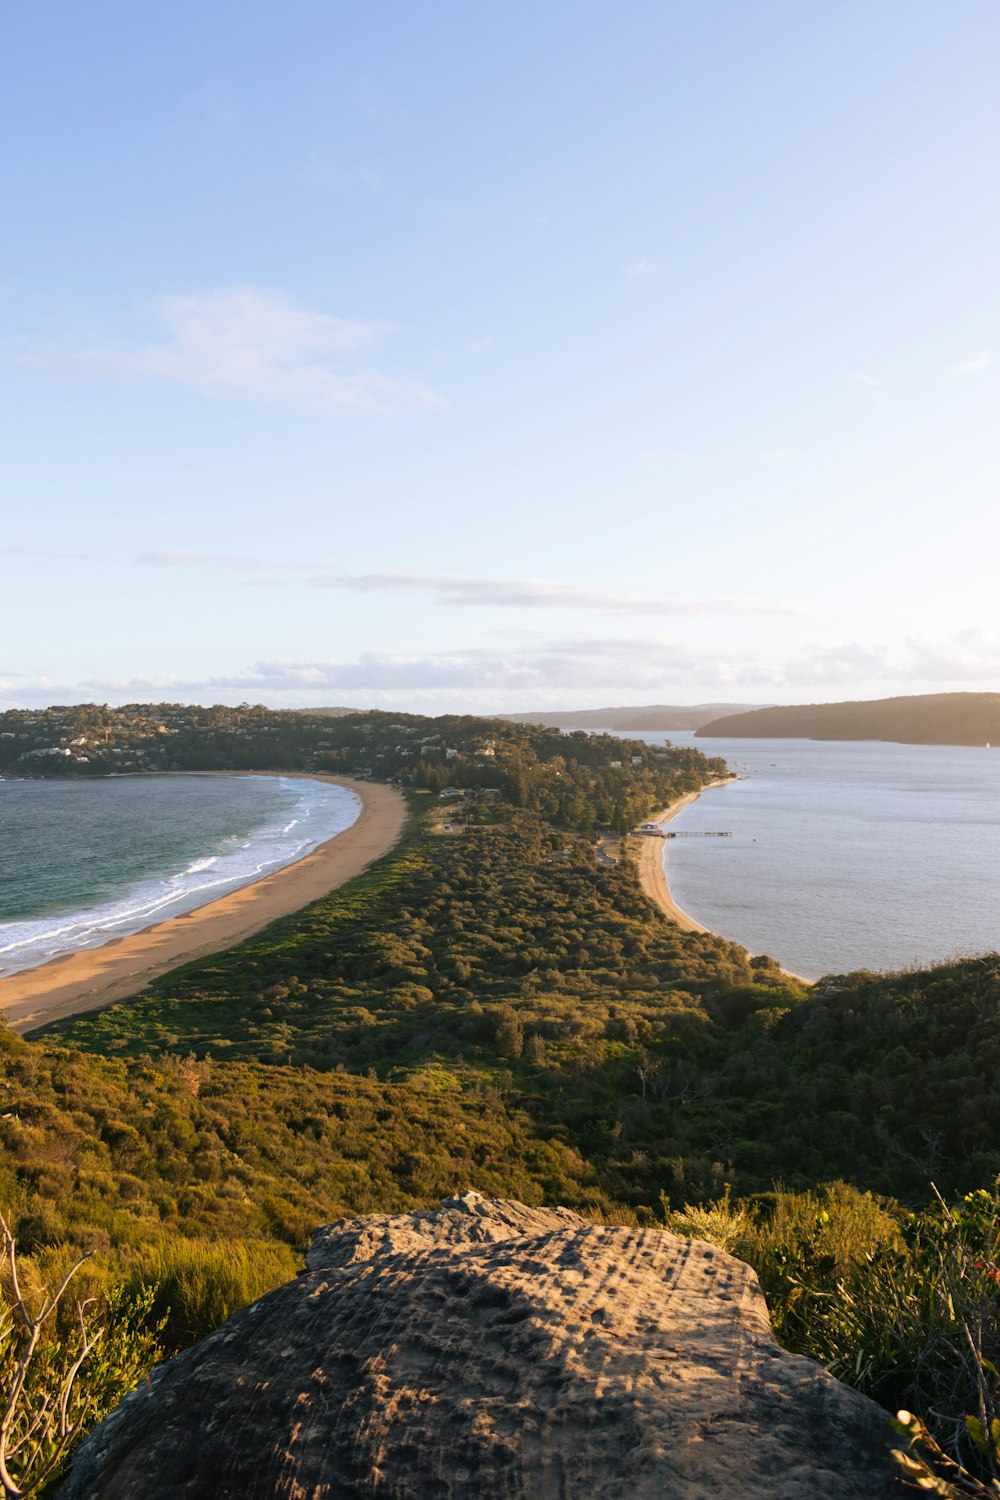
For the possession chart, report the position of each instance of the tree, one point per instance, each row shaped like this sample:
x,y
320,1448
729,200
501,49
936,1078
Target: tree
x,y
509,1032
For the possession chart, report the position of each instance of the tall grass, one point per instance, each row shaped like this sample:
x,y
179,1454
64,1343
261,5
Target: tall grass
x,y
197,1284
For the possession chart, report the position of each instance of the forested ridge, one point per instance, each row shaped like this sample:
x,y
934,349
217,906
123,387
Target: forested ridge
x,y
495,1005
581,781
926,719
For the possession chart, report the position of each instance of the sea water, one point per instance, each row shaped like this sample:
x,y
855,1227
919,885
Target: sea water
x,y
85,861
843,855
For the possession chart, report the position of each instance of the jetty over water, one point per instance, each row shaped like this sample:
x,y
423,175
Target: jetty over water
x,y
659,831
699,833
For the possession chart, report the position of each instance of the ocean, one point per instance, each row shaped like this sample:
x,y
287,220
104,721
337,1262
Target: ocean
x,y
844,855
82,862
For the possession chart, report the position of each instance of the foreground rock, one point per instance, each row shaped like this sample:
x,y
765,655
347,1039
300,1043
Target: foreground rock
x,y
488,1349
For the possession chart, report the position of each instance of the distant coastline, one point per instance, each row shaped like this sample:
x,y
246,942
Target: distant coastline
x,y
96,977
636,717
924,719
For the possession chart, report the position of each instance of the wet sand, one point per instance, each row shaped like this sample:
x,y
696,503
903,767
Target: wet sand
x,y
97,977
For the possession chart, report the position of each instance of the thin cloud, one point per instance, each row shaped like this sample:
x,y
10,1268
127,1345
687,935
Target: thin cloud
x,y
172,557
838,668
871,381
41,554
974,363
641,664
573,664
175,557
642,268
255,343
646,665
917,664
538,593
652,665
467,592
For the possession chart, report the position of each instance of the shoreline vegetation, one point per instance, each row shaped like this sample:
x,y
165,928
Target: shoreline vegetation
x,y
496,1004
92,978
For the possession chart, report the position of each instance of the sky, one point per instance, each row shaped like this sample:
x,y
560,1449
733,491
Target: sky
x,y
449,357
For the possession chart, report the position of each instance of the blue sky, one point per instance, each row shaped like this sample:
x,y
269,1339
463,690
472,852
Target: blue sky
x,y
450,356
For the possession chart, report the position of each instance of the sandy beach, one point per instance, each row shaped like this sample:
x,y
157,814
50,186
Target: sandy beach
x,y
649,862
653,877
99,976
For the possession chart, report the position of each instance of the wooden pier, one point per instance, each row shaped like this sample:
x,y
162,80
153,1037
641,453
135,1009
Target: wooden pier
x,y
658,831
685,833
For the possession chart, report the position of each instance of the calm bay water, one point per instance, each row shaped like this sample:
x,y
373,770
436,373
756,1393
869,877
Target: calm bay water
x,y
85,861
844,855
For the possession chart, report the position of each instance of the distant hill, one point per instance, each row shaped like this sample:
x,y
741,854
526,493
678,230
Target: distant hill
x,y
648,717
930,719
333,713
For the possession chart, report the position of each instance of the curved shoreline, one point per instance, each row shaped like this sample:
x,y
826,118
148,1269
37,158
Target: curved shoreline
x,y
649,862
96,977
653,875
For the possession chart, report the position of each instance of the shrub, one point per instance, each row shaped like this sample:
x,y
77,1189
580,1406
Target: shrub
x,y
53,1387
918,1325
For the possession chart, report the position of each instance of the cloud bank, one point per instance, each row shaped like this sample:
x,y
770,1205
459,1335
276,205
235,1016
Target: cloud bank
x,y
562,671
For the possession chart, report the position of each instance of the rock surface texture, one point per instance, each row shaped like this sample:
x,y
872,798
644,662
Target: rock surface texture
x,y
485,1349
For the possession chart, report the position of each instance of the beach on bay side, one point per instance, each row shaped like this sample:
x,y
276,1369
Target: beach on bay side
x,y
95,977
649,861
653,876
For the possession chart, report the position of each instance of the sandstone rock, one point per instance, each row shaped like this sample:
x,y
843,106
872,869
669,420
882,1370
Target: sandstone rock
x,y
489,1349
